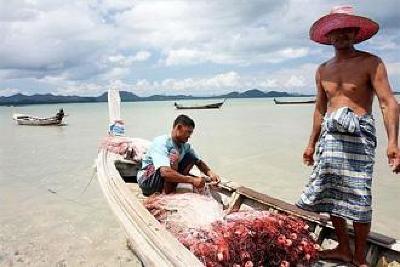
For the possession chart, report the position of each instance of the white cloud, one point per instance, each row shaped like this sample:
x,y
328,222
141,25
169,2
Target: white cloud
x,y
295,81
381,43
282,55
85,45
197,86
192,56
83,89
9,91
393,68
117,59
126,61
114,74
290,80
109,7
185,57
193,32
230,79
269,83
298,79
141,56
56,38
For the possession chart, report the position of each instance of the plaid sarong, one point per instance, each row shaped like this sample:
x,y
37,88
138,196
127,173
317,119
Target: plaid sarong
x,y
340,183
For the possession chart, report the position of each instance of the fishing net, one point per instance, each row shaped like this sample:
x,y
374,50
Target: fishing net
x,y
179,212
131,148
117,145
244,238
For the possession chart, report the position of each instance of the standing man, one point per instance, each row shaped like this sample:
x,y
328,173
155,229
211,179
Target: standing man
x,y
340,183
169,160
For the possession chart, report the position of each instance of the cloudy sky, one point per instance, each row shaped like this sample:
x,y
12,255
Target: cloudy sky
x,y
82,47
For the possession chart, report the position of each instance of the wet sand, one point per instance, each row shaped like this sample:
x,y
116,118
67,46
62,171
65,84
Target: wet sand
x,y
59,231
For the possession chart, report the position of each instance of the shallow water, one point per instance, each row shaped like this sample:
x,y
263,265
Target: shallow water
x,y
46,217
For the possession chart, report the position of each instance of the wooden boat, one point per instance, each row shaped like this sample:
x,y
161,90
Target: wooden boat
x,y
207,106
24,119
155,246
294,102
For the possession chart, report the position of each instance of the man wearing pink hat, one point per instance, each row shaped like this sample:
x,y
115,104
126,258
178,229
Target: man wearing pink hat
x,y
340,183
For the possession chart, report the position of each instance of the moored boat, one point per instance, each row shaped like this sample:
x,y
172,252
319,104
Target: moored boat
x,y
206,106
294,102
155,246
25,119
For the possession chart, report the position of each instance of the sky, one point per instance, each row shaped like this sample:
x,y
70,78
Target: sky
x,y
196,47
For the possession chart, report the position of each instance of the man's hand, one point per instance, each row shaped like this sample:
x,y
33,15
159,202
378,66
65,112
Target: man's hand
x,y
198,182
308,156
393,155
215,179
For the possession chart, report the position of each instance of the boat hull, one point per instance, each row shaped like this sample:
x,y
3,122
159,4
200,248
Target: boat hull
x,y
23,119
209,106
147,237
153,244
38,122
293,102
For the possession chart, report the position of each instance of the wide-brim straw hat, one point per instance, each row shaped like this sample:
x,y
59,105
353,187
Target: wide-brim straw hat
x,y
342,17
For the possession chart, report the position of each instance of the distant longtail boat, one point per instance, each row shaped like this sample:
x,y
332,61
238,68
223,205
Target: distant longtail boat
x,y
207,106
24,119
294,102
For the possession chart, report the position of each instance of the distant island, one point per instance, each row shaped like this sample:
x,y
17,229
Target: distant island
x,y
20,99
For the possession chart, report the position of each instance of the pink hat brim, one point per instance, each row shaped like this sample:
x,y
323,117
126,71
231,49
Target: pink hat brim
x,y
328,23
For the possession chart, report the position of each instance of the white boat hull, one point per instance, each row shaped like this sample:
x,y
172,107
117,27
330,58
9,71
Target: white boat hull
x,y
22,119
36,122
154,245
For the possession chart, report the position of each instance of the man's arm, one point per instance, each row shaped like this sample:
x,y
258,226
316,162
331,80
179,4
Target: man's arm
x,y
203,167
389,108
319,113
162,160
170,175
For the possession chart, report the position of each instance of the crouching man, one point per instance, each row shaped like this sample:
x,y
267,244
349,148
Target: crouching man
x,y
169,160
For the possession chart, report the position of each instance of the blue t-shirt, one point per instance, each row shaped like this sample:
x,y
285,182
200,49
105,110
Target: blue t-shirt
x,y
159,151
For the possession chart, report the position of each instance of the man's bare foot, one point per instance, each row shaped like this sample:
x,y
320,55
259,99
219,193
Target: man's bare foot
x,y
335,255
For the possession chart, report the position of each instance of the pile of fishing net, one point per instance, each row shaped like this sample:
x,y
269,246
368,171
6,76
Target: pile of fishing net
x,y
252,238
131,148
244,238
180,212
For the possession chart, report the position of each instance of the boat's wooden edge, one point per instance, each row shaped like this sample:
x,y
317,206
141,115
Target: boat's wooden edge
x,y
382,240
375,238
229,185
154,245
282,205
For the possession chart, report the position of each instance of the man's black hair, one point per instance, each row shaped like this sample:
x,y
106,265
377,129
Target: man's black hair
x,y
184,120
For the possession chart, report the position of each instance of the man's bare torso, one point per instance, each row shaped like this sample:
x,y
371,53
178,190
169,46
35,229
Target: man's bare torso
x,y
348,82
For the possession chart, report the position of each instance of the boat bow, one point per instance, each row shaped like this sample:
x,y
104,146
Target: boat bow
x,y
154,245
